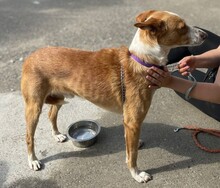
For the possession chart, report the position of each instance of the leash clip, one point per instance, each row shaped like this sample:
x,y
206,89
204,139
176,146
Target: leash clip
x,y
173,67
177,129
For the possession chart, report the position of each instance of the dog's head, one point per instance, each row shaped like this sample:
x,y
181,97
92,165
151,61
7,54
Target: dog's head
x,y
168,29
159,31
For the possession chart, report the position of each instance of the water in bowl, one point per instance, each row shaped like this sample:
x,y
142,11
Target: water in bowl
x,y
83,134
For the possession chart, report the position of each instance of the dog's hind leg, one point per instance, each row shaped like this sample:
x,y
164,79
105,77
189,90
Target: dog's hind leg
x,y
32,112
56,104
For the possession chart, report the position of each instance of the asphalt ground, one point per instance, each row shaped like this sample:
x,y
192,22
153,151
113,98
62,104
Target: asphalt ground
x,y
172,158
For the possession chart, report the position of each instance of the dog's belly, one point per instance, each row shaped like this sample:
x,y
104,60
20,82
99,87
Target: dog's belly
x,y
111,108
102,94
106,100
100,88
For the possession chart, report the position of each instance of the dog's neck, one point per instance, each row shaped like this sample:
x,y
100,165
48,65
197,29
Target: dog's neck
x,y
149,51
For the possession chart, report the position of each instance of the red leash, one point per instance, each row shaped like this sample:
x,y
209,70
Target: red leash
x,y
195,133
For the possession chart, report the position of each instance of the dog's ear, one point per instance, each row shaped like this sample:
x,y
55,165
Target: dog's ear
x,y
142,17
152,24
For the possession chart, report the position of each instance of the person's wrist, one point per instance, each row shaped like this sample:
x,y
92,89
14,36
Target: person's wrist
x,y
168,82
195,60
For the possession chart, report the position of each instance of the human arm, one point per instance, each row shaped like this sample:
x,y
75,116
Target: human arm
x,y
209,59
203,91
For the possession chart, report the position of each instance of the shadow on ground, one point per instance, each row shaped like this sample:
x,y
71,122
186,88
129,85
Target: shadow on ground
x,y
32,182
111,141
155,135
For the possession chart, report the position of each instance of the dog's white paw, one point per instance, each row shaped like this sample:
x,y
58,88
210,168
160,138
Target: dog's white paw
x,y
34,164
144,177
140,176
59,137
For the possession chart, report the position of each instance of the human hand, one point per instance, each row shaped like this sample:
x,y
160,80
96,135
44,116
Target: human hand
x,y
187,65
158,78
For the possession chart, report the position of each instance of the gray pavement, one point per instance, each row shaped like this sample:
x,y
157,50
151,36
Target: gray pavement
x,y
172,158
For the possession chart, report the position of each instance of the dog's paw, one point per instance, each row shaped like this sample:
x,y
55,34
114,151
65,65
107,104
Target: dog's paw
x,y
34,164
60,137
140,176
144,177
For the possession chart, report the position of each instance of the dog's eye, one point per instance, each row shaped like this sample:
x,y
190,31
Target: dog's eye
x,y
181,25
182,28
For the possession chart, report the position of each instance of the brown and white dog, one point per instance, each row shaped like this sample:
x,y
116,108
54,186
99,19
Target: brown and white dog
x,y
51,73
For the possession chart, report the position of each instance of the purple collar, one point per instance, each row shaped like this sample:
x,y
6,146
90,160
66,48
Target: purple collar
x,y
146,64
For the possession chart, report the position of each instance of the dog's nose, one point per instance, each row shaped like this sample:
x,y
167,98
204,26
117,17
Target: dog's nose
x,y
200,33
203,34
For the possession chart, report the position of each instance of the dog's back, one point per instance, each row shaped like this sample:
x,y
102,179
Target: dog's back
x,y
56,71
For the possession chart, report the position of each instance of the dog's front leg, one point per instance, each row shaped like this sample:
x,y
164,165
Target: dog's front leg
x,y
132,124
132,132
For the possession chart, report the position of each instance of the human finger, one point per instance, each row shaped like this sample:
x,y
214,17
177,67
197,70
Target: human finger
x,y
153,87
153,80
182,64
184,69
154,77
160,72
185,74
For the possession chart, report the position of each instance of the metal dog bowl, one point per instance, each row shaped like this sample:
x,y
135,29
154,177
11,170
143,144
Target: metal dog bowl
x,y
83,133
